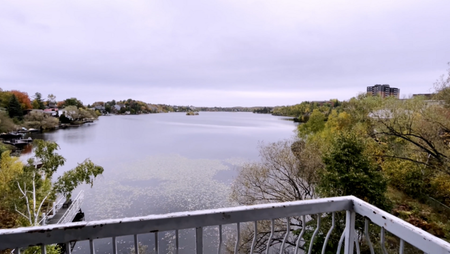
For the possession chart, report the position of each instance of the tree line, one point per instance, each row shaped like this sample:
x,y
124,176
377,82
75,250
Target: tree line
x,y
18,110
301,112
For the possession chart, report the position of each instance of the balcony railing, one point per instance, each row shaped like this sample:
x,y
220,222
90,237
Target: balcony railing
x,y
350,239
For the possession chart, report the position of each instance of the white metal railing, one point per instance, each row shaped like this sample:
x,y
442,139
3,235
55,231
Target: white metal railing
x,y
55,207
73,209
198,220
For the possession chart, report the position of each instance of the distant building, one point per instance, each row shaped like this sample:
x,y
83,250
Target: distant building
x,y
99,107
51,112
383,91
117,107
52,104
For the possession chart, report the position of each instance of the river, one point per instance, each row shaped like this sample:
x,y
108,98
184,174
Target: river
x,y
160,163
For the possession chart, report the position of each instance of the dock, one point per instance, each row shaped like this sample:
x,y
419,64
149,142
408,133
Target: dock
x,y
64,211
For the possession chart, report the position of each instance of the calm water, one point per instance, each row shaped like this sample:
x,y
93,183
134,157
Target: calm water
x,y
163,163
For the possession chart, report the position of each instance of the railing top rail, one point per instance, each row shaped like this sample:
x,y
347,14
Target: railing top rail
x,y
60,200
61,233
411,234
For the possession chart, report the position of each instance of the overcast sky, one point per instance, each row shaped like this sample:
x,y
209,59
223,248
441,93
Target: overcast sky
x,y
221,52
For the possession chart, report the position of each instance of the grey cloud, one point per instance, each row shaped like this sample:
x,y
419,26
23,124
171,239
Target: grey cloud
x,y
123,48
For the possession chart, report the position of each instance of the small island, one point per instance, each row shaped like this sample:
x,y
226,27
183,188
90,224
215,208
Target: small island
x,y
192,113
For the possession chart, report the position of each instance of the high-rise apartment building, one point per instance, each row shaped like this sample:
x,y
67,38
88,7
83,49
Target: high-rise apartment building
x,y
383,90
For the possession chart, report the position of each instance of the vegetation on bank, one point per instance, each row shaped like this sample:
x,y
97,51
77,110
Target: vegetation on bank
x,y
265,110
301,112
17,110
389,152
28,190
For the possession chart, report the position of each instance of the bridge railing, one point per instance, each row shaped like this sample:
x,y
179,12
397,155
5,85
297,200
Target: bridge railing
x,y
351,238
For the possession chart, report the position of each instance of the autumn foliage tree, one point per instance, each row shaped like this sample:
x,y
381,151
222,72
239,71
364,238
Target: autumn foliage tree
x,y
23,99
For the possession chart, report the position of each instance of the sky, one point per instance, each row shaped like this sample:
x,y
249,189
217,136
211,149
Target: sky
x,y
221,52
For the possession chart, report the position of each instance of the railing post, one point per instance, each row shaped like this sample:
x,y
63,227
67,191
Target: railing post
x,y
350,232
199,240
53,209
44,219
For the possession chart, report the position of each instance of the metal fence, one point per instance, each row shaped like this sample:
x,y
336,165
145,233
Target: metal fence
x,y
351,238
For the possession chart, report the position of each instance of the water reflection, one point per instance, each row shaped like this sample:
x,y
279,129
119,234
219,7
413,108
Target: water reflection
x,y
27,149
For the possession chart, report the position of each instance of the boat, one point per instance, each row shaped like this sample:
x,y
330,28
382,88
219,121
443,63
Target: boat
x,y
24,130
19,143
10,136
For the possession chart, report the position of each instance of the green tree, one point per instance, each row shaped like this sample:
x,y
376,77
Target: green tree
x,y
414,136
45,152
31,188
85,172
10,167
14,108
349,171
315,124
5,97
87,114
73,102
6,123
38,103
108,107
